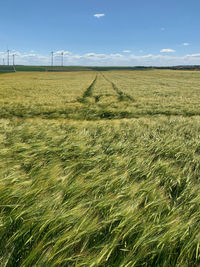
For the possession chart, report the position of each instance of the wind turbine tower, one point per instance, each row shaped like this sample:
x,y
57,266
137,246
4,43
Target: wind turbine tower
x,y
52,58
8,59
62,54
13,59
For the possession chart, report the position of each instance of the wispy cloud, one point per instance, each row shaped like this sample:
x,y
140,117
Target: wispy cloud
x,y
186,44
59,52
126,51
193,55
98,16
167,50
90,54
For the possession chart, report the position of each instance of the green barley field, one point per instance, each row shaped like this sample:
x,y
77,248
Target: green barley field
x,y
100,168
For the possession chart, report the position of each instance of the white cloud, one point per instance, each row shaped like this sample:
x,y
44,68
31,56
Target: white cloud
x,y
147,56
116,55
90,54
167,50
59,52
186,44
126,51
193,55
98,16
29,55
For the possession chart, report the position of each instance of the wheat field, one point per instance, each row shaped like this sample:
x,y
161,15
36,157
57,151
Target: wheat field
x,y
100,168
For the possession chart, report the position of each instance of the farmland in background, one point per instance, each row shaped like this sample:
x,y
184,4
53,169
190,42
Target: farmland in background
x,y
100,168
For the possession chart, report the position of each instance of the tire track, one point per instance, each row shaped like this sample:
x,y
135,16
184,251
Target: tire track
x,y
121,95
89,97
88,92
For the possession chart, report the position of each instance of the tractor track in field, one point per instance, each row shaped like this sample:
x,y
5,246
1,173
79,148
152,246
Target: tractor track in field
x,y
88,91
121,95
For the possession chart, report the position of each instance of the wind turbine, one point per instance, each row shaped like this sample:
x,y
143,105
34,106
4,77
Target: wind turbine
x,y
62,54
52,53
13,59
8,57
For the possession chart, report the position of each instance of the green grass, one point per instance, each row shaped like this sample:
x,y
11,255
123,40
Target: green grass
x,y
29,68
48,68
6,69
84,183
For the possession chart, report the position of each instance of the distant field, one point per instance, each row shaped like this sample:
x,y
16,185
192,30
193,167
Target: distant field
x,y
6,69
100,168
96,95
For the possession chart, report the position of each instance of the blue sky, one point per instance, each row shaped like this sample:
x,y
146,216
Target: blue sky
x,y
128,32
